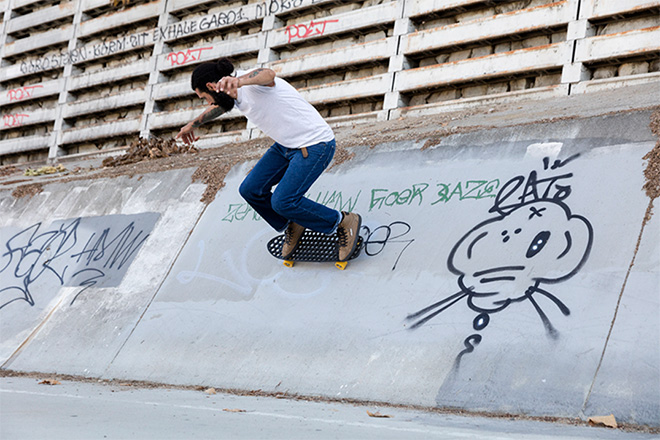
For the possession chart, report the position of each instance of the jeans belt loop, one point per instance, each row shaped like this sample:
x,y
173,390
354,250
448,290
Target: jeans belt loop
x,y
304,152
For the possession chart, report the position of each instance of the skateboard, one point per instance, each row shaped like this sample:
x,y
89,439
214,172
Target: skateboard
x,y
313,246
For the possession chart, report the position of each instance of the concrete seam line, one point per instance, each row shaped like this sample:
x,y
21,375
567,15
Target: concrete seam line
x,y
34,333
169,270
616,309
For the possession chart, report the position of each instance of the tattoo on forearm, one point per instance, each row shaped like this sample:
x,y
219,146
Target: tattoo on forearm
x,y
209,116
255,73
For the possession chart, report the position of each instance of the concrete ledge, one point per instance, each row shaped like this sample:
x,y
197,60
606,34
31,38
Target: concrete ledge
x,y
41,17
603,9
525,20
617,82
196,55
217,140
100,131
106,103
623,44
331,59
220,19
177,5
482,101
27,118
25,143
347,90
172,89
87,5
423,7
362,118
363,18
121,18
90,155
23,3
179,118
43,39
31,92
106,76
506,63
257,10
116,46
11,72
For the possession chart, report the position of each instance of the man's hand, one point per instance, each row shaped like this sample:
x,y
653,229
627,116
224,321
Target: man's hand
x,y
228,85
187,134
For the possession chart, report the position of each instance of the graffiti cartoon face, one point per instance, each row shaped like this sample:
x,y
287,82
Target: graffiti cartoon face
x,y
500,259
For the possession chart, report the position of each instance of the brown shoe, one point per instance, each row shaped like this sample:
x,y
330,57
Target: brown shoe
x,y
291,238
347,232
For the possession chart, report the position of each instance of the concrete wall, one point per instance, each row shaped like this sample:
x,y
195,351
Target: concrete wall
x,y
82,76
497,275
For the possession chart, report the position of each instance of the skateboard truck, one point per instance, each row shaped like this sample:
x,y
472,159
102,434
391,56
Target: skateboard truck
x,y
341,265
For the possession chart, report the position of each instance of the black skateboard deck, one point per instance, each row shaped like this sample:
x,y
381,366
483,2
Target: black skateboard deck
x,y
315,247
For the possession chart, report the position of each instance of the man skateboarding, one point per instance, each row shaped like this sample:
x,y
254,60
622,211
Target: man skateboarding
x,y
304,146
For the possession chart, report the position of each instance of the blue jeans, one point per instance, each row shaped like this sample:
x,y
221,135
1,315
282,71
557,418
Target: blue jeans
x,y
294,175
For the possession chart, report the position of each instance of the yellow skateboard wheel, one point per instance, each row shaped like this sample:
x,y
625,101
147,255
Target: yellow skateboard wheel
x,y
341,265
288,263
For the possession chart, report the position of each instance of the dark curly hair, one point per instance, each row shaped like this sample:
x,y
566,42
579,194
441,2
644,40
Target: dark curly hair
x,y
213,72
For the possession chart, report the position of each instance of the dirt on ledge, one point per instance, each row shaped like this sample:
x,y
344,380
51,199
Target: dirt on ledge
x,y
30,190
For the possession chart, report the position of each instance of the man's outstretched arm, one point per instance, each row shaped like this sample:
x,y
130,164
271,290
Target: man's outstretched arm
x,y
187,133
230,84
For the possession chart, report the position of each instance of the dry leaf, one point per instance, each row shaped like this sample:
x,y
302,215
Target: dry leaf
x,y
608,421
235,410
210,391
378,415
50,382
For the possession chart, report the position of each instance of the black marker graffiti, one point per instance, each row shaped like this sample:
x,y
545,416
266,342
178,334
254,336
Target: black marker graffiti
x,y
54,61
533,240
61,256
174,30
171,31
376,240
274,6
121,44
84,53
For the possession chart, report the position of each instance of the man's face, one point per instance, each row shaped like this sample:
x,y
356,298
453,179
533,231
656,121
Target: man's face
x,y
205,95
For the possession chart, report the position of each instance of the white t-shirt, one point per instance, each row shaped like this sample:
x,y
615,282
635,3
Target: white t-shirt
x,y
283,114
